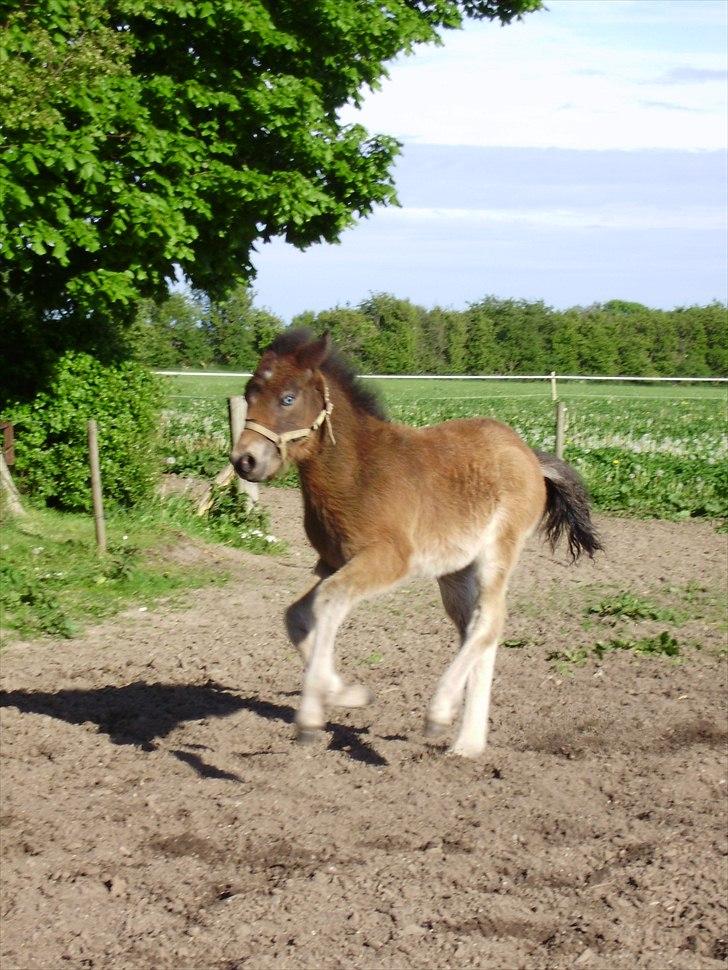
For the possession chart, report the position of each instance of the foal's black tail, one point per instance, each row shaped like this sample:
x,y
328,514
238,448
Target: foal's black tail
x,y
567,508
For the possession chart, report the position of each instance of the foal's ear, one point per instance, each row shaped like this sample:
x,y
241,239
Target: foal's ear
x,y
313,355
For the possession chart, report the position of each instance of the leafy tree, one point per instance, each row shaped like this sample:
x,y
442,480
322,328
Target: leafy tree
x,y
715,326
433,346
171,333
386,334
565,343
457,343
238,331
351,330
136,135
636,325
399,332
520,330
150,343
599,342
482,355
692,340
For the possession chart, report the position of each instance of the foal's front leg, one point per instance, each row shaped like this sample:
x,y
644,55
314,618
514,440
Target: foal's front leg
x,y
300,620
301,625
372,571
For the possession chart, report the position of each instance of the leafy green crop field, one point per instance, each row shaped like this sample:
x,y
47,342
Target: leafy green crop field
x,y
651,450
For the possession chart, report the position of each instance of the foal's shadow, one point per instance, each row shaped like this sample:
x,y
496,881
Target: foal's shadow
x,y
138,714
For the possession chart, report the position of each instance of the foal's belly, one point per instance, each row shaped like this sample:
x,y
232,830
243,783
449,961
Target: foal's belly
x,y
437,559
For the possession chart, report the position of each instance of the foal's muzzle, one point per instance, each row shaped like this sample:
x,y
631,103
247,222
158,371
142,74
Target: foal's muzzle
x,y
255,459
245,465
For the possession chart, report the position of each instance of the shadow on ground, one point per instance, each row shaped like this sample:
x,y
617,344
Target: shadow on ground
x,y
139,714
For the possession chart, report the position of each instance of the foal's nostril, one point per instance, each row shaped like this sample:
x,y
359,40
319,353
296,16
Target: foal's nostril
x,y
245,464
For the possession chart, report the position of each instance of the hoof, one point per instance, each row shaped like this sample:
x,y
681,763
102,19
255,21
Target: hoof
x,y
307,735
352,695
464,751
435,729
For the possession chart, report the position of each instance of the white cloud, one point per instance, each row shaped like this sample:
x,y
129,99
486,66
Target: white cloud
x,y
587,75
692,75
587,217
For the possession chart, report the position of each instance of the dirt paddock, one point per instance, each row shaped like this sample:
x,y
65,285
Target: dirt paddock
x,y
156,813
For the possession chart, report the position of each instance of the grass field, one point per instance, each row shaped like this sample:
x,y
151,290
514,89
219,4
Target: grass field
x,y
644,449
416,389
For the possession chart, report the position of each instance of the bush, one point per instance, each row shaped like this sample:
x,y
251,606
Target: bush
x,y
50,431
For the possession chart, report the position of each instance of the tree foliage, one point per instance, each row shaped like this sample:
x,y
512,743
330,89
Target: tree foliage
x,y
387,335
136,135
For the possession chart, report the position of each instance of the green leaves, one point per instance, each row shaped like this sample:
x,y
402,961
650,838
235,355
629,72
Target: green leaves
x,y
141,135
51,446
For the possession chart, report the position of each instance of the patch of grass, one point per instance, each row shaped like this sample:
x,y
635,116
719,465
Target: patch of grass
x,y
663,645
629,606
232,520
515,643
701,602
565,660
374,659
52,578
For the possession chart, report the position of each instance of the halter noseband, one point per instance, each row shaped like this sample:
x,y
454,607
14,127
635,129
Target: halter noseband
x,y
281,440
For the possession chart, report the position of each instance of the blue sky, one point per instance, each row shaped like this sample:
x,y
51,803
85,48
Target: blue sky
x,y
577,156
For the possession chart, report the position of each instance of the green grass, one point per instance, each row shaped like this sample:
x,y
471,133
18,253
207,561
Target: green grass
x,y
643,450
631,607
53,580
662,645
415,389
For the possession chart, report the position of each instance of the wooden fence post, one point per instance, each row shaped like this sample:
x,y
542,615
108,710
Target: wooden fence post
x,y
560,428
8,491
554,395
96,495
237,409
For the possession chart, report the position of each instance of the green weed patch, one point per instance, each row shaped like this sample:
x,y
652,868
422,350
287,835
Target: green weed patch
x,y
663,645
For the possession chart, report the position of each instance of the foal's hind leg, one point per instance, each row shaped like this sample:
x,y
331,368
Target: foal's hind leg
x,y
460,593
475,662
300,626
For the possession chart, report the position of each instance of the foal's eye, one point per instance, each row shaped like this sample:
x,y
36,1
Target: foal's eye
x,y
287,400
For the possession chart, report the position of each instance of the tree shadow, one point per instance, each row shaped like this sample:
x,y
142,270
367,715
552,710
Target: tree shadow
x,y
139,714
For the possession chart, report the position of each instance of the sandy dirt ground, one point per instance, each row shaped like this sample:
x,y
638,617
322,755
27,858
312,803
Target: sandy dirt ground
x,y
157,814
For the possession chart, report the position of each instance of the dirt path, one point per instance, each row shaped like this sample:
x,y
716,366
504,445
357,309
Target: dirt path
x,y
156,814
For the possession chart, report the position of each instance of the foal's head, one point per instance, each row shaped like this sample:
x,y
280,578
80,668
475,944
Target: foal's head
x,y
286,394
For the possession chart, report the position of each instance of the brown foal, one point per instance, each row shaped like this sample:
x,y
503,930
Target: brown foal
x,y
383,502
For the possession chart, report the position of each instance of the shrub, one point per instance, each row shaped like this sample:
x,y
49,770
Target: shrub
x,y
50,431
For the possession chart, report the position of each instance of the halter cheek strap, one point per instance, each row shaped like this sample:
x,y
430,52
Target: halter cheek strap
x,y
281,440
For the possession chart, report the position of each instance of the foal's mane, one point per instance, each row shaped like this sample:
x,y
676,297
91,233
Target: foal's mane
x,y
337,368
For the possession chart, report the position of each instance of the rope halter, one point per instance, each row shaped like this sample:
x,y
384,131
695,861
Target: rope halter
x,y
281,440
